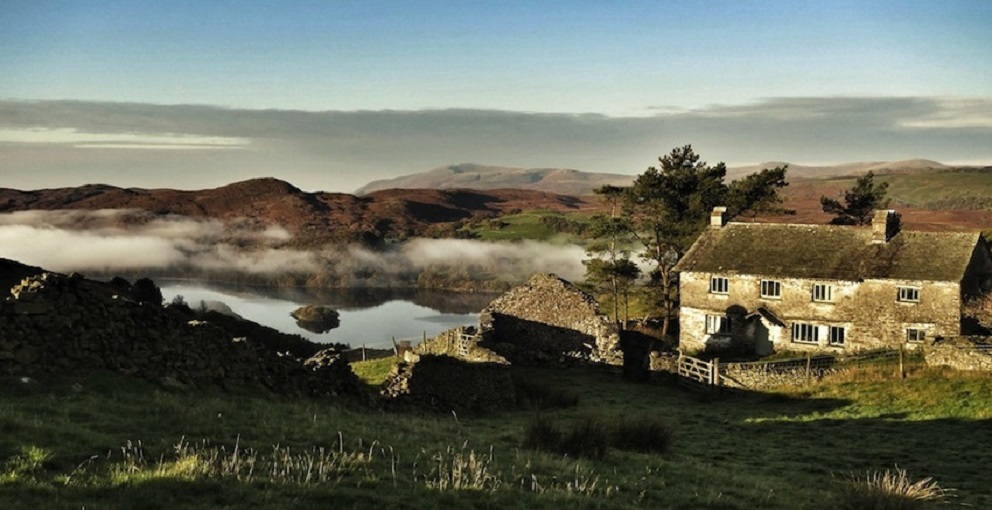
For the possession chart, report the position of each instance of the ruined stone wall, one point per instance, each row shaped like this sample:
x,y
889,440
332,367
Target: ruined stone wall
x,y
868,310
445,384
57,324
462,343
548,318
962,353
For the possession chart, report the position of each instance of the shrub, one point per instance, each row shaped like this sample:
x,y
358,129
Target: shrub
x,y
144,290
533,395
889,490
646,435
589,438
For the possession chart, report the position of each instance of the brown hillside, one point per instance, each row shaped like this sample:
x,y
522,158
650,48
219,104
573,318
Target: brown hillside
x,y
311,217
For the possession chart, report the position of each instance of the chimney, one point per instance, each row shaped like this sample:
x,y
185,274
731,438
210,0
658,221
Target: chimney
x,y
718,218
884,226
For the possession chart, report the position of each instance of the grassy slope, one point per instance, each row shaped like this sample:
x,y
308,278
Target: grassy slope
x,y
528,225
939,188
758,451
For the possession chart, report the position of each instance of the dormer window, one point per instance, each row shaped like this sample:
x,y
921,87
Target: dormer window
x,y
719,285
823,293
908,295
771,289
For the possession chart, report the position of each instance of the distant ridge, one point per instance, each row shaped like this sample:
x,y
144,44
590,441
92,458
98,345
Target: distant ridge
x,y
575,182
482,177
844,169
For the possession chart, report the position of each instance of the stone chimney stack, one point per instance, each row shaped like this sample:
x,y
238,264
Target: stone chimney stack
x,y
884,225
718,218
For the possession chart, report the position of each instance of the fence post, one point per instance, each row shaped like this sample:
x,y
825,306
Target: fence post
x,y
809,368
363,352
902,366
715,372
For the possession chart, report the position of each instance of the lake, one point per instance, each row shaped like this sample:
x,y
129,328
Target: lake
x,y
369,317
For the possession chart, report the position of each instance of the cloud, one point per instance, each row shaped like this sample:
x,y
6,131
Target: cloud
x,y
81,140
123,240
343,150
117,240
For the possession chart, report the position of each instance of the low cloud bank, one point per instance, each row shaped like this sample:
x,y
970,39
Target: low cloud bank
x,y
107,241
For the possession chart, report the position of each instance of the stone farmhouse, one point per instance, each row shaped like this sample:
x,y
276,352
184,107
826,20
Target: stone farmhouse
x,y
766,287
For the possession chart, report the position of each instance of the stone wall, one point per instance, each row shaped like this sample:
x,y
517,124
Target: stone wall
x,y
548,319
962,353
58,324
462,343
445,384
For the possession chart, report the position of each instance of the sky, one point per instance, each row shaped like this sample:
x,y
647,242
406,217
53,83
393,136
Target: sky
x,y
330,95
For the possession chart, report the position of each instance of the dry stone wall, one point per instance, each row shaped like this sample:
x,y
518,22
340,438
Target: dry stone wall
x,y
445,384
962,353
56,323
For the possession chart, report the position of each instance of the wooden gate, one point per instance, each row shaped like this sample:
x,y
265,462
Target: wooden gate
x,y
699,374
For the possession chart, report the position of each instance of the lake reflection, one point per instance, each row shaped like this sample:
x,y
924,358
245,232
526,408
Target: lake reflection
x,y
370,317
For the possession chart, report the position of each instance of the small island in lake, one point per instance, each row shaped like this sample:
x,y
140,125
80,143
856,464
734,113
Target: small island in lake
x,y
316,319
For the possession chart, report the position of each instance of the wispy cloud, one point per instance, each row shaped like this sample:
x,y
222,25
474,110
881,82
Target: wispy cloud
x,y
82,140
122,240
341,151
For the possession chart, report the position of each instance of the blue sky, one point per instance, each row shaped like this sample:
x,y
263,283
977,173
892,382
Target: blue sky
x,y
622,60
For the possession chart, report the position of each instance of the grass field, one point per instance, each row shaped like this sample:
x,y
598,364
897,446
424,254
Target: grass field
x,y
102,441
937,190
534,225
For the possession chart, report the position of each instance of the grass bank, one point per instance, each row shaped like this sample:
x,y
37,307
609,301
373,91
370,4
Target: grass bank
x,y
103,441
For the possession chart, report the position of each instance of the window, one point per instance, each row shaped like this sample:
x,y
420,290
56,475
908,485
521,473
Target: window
x,y
909,295
717,325
837,334
915,335
823,292
805,333
719,285
771,289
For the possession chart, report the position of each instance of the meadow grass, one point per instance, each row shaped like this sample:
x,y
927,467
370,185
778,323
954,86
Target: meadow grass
x,y
529,225
104,441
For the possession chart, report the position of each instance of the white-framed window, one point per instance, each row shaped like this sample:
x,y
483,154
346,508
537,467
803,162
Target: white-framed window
x,y
908,295
916,335
837,335
719,285
771,289
823,292
717,325
805,333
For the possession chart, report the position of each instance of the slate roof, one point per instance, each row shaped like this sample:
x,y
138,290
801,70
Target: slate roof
x,y
829,252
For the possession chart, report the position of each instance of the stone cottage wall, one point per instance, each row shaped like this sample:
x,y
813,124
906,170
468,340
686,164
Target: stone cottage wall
x,y
869,311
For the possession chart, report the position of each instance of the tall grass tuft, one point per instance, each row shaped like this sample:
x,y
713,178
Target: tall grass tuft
x,y
534,395
588,437
647,435
461,469
890,490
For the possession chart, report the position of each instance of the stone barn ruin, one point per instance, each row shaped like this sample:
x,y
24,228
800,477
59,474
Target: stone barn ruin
x,y
549,319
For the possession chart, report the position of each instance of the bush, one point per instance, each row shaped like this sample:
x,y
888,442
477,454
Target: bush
x,y
592,437
534,395
889,490
144,290
646,435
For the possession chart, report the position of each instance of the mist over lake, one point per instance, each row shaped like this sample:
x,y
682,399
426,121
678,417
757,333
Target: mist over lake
x,y
369,317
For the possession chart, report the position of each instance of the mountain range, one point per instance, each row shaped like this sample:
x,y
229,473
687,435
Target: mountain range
x,y
576,182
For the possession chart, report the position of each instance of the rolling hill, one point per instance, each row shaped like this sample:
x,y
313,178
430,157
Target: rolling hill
x,y
554,180
312,218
